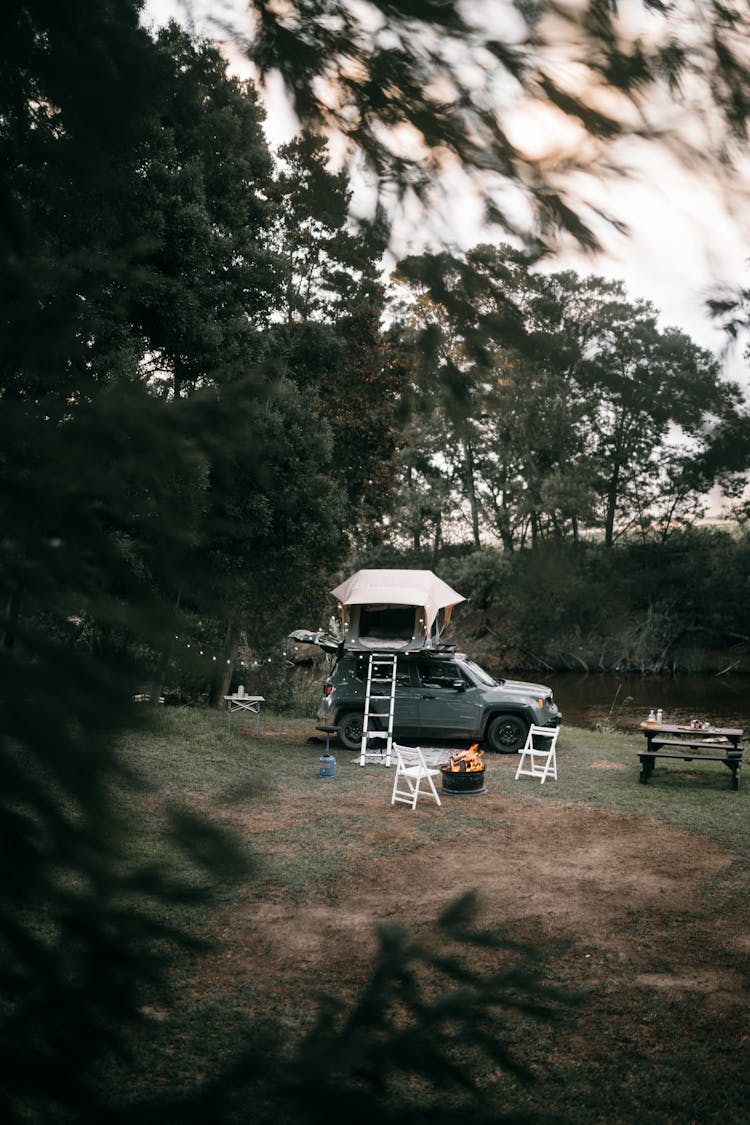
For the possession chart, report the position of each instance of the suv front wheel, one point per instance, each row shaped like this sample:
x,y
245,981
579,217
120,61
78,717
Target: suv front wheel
x,y
350,730
506,734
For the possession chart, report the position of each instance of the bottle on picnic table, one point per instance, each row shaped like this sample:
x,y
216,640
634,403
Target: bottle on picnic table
x,y
651,716
659,715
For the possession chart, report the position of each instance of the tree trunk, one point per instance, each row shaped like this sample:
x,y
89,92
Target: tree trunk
x,y
472,493
506,538
609,519
437,540
502,524
223,674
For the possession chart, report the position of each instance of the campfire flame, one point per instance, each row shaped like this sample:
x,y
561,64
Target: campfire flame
x,y
468,761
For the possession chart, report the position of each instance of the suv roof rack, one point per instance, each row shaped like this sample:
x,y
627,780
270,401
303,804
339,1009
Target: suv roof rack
x,y
440,652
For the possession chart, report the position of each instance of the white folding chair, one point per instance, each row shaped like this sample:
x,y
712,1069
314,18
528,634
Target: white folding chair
x,y
540,760
411,772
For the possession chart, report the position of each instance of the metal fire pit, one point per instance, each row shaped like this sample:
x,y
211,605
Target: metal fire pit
x,y
463,783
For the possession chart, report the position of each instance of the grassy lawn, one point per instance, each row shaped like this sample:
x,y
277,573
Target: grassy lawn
x,y
191,753
634,1049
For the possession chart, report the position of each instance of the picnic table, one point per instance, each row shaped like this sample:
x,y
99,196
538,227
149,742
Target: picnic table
x,y
241,702
689,743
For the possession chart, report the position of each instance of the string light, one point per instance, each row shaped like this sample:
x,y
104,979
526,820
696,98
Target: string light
x,y
240,663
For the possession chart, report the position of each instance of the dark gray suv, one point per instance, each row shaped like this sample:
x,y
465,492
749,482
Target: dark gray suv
x,y
439,697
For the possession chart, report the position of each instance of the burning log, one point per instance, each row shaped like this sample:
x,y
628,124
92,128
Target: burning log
x,y
464,773
468,761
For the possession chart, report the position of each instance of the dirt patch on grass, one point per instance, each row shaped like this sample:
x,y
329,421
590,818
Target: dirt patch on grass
x,y
642,895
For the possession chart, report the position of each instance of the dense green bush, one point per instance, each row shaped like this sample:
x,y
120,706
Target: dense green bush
x,y
486,573
682,605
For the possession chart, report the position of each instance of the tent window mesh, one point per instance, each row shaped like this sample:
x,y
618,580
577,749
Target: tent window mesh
x,y
392,622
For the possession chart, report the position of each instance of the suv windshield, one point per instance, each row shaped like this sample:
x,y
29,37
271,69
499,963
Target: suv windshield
x,y
479,673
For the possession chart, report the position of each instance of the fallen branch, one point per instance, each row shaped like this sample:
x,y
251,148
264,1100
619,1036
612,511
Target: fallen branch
x,y
528,652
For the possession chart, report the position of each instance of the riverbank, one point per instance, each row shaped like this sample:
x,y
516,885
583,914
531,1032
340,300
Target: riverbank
x,y
623,702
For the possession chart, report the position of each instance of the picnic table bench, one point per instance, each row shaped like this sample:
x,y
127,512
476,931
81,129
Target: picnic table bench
x,y
688,744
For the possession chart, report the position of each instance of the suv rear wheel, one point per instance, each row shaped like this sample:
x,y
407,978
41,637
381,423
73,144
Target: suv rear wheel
x,y
506,734
350,730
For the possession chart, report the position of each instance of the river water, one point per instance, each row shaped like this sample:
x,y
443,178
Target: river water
x,y
626,701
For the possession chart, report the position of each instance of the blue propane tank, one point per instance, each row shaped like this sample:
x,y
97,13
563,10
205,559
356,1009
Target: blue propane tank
x,y
327,765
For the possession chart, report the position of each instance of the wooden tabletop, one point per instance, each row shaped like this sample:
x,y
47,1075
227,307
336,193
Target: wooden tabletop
x,y
685,728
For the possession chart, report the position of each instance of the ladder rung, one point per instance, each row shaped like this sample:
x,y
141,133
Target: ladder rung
x,y
379,703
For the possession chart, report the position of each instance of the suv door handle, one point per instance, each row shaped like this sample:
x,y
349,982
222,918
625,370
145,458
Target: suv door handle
x,y
428,697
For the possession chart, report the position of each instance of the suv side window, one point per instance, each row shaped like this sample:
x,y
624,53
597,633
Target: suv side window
x,y
439,673
403,673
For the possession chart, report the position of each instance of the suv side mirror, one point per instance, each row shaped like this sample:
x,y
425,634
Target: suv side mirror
x,y
459,685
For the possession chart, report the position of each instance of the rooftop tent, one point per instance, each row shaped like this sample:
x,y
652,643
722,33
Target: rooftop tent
x,y
399,610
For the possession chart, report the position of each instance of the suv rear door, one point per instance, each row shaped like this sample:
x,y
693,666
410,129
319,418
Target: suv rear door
x,y
406,704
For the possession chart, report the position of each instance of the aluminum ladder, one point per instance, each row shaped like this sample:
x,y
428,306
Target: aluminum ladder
x,y
379,705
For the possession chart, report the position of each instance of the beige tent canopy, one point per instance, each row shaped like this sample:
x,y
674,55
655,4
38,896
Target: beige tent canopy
x,y
397,609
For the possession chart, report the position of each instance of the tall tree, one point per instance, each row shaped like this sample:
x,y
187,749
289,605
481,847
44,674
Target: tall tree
x,y
584,413
649,396
209,275
326,262
273,525
425,502
331,340
454,383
